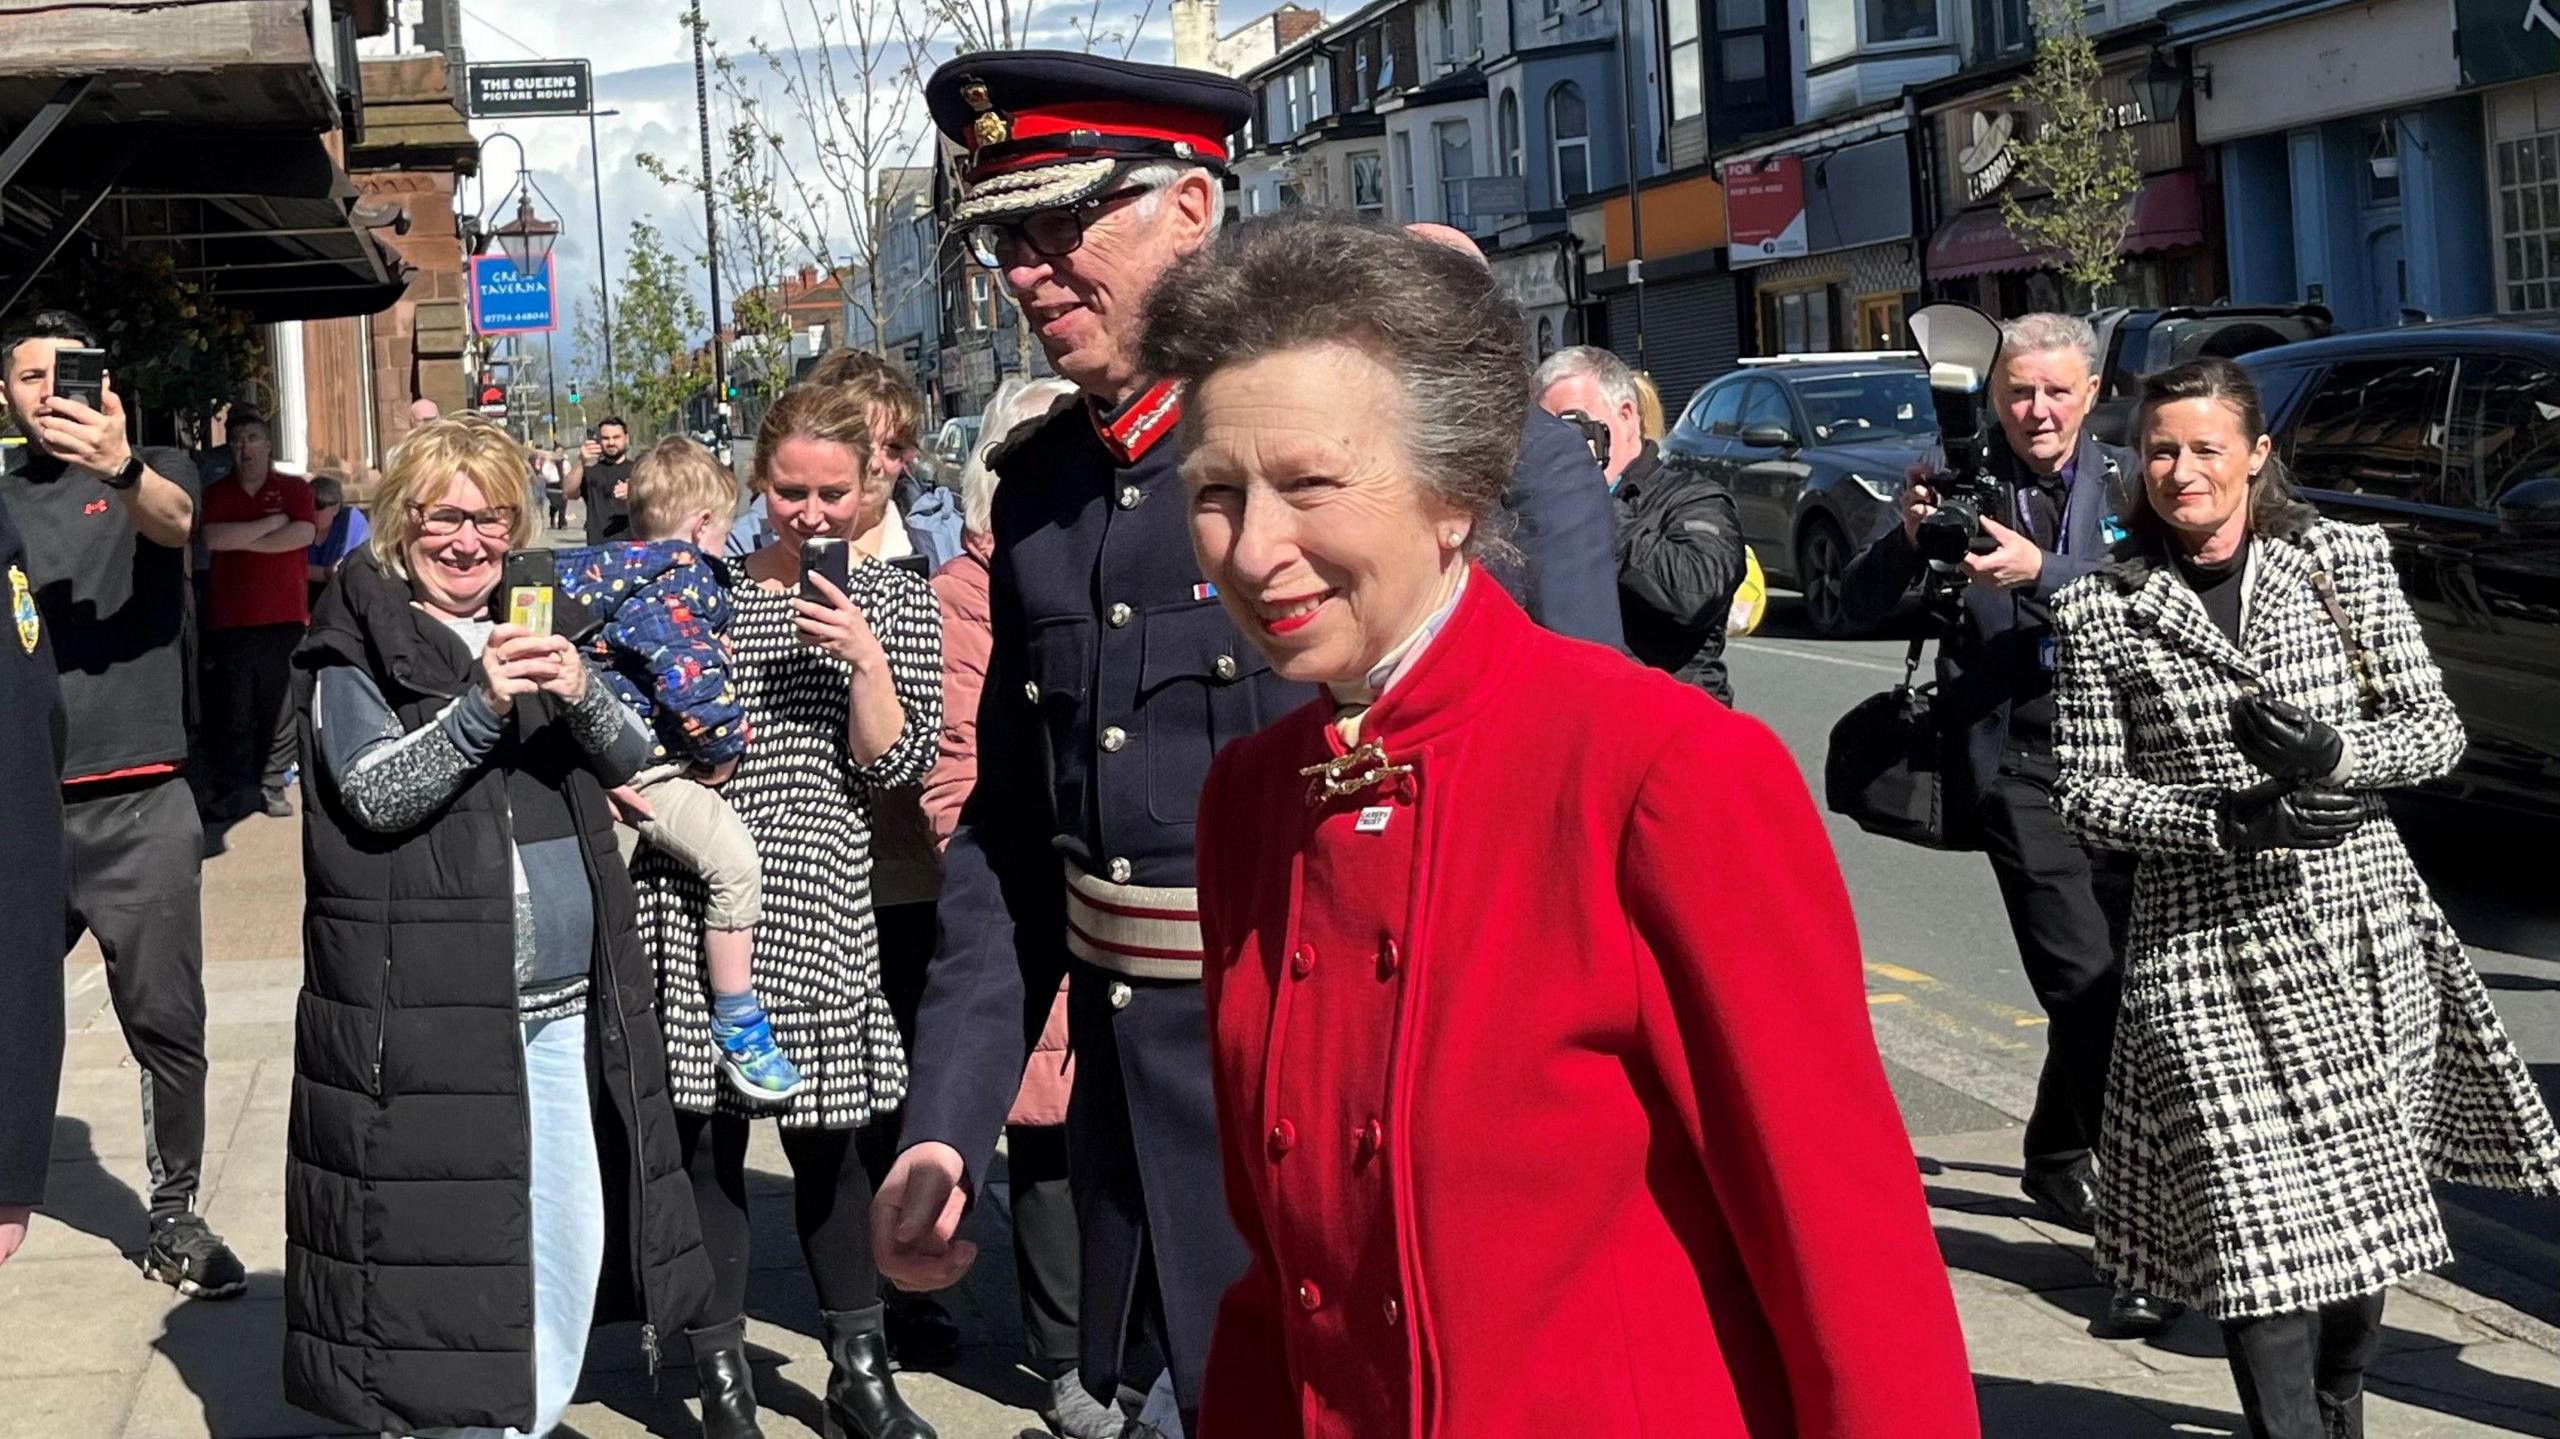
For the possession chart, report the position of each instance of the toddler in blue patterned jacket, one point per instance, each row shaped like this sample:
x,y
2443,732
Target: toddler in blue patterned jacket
x,y
661,648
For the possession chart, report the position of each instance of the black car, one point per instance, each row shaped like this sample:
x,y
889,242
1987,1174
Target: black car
x,y
2135,343
1813,449
2448,437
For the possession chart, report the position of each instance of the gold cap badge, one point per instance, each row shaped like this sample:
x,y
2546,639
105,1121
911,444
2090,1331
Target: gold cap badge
x,y
989,126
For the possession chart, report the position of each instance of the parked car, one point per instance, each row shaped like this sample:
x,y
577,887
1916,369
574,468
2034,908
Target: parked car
x,y
950,449
2448,437
2135,343
1813,449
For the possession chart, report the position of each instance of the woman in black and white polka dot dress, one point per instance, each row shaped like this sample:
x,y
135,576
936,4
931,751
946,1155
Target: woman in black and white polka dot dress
x,y
845,702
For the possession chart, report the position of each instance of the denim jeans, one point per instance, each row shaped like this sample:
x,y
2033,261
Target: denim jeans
x,y
568,1220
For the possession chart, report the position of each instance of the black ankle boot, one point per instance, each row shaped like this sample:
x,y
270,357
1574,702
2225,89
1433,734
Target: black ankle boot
x,y
727,1387
862,1399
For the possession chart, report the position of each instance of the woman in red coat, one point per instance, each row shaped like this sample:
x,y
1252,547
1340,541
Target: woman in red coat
x,y
1544,1077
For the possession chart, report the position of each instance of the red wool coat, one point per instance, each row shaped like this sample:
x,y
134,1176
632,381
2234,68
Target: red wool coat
x,y
1544,1078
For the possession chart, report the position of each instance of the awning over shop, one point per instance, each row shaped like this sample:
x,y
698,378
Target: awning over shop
x,y
2168,213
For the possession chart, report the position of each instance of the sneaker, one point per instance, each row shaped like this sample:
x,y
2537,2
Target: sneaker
x,y
187,1255
755,1066
277,806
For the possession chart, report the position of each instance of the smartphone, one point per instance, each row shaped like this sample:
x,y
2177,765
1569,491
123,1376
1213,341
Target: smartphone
x,y
920,566
827,557
527,584
80,374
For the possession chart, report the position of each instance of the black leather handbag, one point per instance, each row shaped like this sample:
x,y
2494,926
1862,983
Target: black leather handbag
x,y
1887,764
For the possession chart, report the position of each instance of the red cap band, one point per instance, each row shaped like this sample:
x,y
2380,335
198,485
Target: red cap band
x,y
1109,120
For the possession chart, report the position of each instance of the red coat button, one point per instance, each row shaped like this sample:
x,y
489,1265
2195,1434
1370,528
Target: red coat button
x,y
1390,959
1284,1137
1394,1311
1310,1298
1371,1136
1303,962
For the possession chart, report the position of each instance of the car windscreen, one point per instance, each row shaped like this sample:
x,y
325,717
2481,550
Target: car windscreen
x,y
1847,409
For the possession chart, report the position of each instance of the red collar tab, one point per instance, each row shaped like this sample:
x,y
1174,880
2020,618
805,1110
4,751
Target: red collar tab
x,y
1141,422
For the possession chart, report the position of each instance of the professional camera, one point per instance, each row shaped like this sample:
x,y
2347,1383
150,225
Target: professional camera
x,y
1961,346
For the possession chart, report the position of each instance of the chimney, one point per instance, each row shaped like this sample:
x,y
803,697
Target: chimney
x,y
1293,23
808,277
1195,33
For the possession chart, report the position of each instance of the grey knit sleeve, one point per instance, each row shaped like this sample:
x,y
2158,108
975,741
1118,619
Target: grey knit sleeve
x,y
391,780
610,733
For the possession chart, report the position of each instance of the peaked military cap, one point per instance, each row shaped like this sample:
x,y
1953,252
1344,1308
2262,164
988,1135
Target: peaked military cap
x,y
1043,128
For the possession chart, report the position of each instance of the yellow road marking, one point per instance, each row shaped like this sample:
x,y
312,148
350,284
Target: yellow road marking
x,y
1898,974
1888,999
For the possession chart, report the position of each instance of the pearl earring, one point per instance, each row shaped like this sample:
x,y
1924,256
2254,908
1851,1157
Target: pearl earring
x,y
1452,540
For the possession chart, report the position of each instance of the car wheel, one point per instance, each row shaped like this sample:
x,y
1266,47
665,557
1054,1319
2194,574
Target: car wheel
x,y
1822,557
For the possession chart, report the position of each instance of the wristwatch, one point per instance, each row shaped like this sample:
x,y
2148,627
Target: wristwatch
x,y
127,475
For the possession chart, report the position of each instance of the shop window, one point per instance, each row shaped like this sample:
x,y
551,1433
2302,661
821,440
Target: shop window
x,y
1688,73
1801,321
1569,123
2375,427
1879,323
2529,222
1369,184
2505,430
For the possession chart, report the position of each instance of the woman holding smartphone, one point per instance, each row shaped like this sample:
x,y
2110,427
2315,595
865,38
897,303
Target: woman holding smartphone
x,y
838,663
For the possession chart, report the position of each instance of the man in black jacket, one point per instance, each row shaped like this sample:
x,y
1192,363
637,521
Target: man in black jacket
x,y
1679,538
2068,904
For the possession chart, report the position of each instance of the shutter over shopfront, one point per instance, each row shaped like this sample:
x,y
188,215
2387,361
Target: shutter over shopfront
x,y
1692,333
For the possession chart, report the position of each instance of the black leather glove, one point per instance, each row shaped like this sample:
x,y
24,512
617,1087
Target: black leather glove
x,y
2271,816
2284,739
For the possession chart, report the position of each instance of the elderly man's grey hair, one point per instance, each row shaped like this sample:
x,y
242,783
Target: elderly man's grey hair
x,y
2037,333
1434,317
1157,176
1617,382
1017,402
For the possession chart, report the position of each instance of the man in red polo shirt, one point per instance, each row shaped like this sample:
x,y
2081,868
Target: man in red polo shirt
x,y
258,524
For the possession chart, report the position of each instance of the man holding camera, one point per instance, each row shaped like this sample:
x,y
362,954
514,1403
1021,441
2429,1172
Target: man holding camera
x,y
1679,537
603,479
2051,518
106,578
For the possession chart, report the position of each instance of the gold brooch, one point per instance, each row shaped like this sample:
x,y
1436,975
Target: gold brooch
x,y
989,126
1350,773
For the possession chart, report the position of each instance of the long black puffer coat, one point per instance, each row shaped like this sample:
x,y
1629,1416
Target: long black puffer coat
x,y
408,1273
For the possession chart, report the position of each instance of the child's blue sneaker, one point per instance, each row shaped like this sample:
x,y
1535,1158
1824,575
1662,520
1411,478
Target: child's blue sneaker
x,y
756,1067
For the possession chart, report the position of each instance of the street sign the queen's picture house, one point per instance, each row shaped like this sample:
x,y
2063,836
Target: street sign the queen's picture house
x,y
512,88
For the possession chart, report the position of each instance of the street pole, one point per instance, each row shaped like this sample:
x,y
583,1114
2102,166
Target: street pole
x,y
710,219
551,381
1635,180
604,255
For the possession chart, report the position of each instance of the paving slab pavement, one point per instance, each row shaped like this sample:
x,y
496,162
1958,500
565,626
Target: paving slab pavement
x,y
96,1350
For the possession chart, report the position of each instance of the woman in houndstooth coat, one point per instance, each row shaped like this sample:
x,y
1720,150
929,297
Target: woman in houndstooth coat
x,y
2304,1044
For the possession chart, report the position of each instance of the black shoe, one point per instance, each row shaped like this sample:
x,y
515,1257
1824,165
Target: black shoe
x,y
862,1397
185,1254
922,1334
726,1385
277,806
2068,1196
2132,1314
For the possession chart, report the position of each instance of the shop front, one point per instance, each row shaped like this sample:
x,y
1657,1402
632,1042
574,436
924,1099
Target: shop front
x,y
2511,48
2354,173
1676,311
1822,233
2171,247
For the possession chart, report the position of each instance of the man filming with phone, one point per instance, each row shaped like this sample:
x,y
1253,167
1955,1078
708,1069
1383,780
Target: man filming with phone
x,y
2055,515
106,532
603,479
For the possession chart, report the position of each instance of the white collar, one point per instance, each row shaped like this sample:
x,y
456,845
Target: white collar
x,y
1401,656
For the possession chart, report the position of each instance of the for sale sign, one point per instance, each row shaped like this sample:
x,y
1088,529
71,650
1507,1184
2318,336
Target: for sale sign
x,y
1764,206
530,87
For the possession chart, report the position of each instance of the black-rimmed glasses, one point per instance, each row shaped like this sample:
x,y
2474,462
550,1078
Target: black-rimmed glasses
x,y
1051,234
496,523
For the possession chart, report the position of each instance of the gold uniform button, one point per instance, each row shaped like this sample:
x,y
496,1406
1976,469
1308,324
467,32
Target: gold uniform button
x,y
1031,691
1118,615
1120,871
1225,667
1129,496
1119,994
1113,738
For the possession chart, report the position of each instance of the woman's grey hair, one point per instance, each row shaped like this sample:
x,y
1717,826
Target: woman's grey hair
x,y
1017,402
1616,381
1157,176
2037,333
1434,317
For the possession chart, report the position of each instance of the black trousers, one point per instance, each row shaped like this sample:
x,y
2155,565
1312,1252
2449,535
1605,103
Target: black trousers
x,y
136,859
1046,1264
2301,1375
906,948
2068,908
830,1205
249,683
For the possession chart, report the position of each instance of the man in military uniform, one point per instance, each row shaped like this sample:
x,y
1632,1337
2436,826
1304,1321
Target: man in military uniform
x,y
1115,676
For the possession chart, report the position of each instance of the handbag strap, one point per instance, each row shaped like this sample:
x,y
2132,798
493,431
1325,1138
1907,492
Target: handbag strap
x,y
2359,658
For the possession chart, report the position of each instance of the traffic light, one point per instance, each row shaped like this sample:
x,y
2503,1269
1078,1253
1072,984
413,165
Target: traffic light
x,y
573,392
731,394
